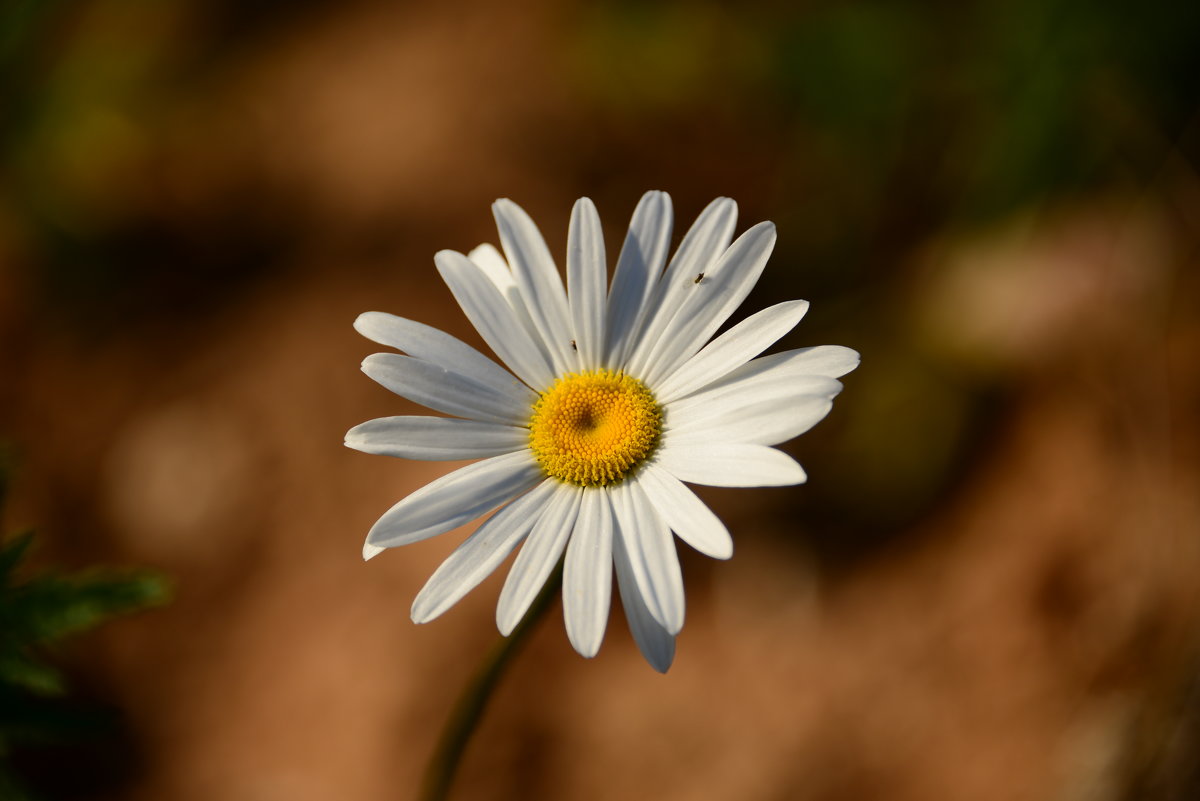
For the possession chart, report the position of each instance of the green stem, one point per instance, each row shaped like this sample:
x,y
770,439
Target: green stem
x,y
468,710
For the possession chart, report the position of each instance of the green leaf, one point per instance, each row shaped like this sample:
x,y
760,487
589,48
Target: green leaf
x,y
52,606
38,612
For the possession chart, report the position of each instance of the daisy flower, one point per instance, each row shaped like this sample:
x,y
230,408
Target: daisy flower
x,y
613,404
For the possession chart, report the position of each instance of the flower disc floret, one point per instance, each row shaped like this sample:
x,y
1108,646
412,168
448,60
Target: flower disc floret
x,y
594,428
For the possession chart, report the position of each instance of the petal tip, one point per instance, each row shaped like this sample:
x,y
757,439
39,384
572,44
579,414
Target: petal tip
x,y
446,256
419,614
363,321
856,357
486,252
356,442
504,207
586,650
660,665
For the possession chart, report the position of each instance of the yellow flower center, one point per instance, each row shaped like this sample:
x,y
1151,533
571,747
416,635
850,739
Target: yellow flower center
x,y
594,428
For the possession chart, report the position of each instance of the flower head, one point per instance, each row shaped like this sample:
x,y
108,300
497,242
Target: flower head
x,y
613,402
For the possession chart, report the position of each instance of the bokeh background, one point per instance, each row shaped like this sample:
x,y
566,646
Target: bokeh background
x,y
987,590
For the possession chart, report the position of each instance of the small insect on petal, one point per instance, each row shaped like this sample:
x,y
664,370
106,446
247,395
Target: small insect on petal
x,y
699,278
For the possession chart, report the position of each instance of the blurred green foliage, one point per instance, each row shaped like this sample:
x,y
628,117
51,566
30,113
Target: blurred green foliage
x,y
883,122
40,611
862,127
36,613
865,129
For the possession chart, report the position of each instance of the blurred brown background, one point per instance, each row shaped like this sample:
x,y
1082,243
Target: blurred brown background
x,y
987,589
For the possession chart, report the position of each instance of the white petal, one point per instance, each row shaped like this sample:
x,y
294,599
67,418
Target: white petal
x,y
726,464
455,498
586,279
538,279
443,389
732,349
766,422
688,516
435,438
652,556
538,557
494,318
637,272
828,360
370,551
777,375
709,303
496,269
765,404
432,345
704,243
792,377
480,554
655,643
587,574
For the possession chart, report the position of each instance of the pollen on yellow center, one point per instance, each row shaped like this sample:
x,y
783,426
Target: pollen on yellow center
x,y
594,428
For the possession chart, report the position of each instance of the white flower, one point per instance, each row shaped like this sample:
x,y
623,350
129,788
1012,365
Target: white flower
x,y
614,401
